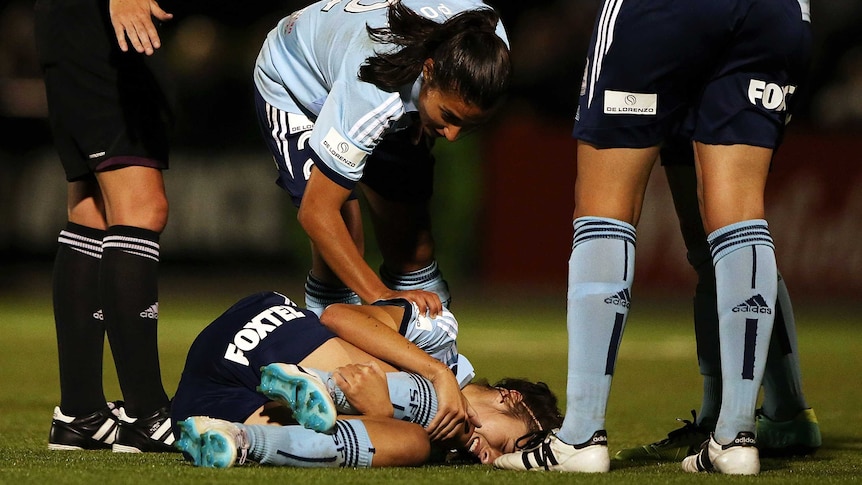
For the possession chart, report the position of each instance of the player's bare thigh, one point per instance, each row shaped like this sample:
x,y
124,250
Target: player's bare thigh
x,y
135,196
731,183
611,182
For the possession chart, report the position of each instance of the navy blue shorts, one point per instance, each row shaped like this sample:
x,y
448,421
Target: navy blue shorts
x,y
397,169
222,369
715,71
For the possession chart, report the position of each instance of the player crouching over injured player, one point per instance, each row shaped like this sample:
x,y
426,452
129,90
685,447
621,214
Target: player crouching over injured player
x,y
231,393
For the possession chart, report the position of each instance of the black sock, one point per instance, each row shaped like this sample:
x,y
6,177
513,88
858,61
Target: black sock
x,y
128,285
78,319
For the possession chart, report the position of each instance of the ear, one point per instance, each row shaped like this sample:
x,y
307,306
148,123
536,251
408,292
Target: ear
x,y
428,69
513,396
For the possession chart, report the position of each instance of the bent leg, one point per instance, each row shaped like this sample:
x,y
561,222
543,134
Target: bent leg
x,y
403,234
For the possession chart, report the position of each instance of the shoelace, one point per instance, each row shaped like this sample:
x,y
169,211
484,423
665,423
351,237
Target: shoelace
x,y
531,440
688,428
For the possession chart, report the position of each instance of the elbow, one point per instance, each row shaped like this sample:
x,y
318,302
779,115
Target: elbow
x,y
332,315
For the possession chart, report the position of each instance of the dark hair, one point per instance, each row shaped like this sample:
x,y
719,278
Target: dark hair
x,y
540,402
470,59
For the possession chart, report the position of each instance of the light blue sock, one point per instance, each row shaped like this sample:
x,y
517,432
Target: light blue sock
x,y
601,271
746,283
413,397
783,398
429,279
349,446
319,295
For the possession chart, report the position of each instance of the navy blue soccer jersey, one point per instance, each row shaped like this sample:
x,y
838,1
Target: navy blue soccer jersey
x,y
223,365
222,369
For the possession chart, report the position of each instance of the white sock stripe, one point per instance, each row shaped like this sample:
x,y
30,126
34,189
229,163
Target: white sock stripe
x,y
129,242
135,246
89,246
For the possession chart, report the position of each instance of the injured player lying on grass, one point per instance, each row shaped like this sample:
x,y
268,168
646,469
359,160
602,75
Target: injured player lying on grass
x,y
387,373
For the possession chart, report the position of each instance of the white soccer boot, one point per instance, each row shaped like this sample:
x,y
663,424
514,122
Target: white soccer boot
x,y
740,457
554,455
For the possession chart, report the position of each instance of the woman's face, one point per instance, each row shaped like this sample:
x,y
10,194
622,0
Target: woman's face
x,y
500,430
445,114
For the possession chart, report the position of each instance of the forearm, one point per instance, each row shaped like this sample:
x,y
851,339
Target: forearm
x,y
332,240
372,329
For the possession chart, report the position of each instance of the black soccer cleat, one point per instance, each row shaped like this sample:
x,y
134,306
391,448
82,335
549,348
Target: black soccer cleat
x,y
96,431
150,434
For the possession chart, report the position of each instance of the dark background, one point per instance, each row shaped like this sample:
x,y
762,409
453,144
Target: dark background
x,y
516,172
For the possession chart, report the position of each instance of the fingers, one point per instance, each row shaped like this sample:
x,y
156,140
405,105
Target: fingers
x,y
133,23
346,376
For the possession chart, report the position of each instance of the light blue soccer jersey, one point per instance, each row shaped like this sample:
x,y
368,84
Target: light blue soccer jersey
x,y
438,338
309,65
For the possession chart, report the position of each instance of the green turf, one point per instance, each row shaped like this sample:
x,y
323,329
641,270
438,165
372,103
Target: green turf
x,y
656,381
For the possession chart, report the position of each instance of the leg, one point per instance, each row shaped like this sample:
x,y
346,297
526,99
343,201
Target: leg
x,y
731,181
322,286
683,185
356,443
403,233
137,211
608,195
82,420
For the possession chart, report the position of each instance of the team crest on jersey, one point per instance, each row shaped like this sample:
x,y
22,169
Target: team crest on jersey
x,y
625,103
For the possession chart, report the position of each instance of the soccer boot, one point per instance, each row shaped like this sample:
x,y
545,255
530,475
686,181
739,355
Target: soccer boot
x,y
740,457
303,392
551,454
212,443
94,431
795,437
678,444
150,434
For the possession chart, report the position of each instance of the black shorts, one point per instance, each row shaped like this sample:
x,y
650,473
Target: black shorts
x,y
107,108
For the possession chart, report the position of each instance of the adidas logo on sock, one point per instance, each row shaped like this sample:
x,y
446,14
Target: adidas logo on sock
x,y
152,312
99,315
755,304
623,299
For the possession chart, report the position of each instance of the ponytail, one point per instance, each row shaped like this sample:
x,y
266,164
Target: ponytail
x,y
470,59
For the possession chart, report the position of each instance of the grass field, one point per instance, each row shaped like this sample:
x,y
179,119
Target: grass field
x,y
656,381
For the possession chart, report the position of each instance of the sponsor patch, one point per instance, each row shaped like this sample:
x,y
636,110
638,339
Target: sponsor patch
x,y
623,103
297,123
341,149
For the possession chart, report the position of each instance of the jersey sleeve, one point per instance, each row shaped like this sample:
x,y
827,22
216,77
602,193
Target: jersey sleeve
x,y
352,121
436,336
